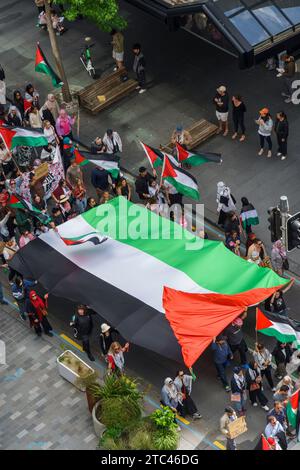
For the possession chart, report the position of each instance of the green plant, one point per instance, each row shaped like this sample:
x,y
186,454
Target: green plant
x,y
164,418
141,440
165,439
88,381
105,13
118,411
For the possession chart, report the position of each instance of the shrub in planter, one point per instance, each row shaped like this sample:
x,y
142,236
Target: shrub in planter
x,y
165,436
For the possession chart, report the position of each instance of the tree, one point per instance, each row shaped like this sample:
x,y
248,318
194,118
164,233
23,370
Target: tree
x,y
104,13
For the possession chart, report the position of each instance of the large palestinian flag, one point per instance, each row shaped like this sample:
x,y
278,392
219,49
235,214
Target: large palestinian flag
x,y
194,159
43,66
144,268
104,160
14,136
282,328
293,412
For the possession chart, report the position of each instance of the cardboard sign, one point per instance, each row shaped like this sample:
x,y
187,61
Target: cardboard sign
x,y
40,172
237,427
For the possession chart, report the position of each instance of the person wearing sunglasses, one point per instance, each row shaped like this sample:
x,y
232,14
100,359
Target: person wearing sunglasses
x,y
183,383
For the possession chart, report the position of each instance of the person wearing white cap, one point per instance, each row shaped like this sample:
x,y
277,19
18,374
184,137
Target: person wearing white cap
x,y
107,337
221,101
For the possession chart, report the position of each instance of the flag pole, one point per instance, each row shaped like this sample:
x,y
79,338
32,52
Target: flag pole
x,y
256,326
162,171
10,153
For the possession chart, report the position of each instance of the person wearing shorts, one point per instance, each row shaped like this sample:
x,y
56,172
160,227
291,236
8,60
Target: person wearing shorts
x,y
221,101
118,49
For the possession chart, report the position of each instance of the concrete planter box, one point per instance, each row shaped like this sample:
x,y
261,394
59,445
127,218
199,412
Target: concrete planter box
x,y
99,428
67,373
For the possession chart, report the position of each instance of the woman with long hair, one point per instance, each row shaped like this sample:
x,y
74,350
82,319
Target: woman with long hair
x,y
115,358
265,124
282,132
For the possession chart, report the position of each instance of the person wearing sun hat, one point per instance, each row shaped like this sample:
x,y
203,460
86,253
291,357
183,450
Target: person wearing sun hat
x,y
265,124
221,102
108,336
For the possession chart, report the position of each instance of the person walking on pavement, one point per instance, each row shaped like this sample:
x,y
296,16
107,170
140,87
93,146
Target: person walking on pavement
x,y
112,142
2,300
282,354
265,126
238,391
18,293
226,202
171,397
235,338
118,48
238,113
139,66
115,358
228,417
221,101
183,382
254,386
288,76
222,354
107,337
248,216
282,132
36,309
263,358
279,257
83,324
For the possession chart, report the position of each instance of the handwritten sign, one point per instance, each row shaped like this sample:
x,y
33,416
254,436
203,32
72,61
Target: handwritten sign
x,y
237,427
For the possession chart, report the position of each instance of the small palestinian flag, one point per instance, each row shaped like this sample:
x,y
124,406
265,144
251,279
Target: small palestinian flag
x,y
27,104
249,216
282,328
264,443
194,159
182,181
104,160
42,66
293,412
18,202
155,156
92,237
19,136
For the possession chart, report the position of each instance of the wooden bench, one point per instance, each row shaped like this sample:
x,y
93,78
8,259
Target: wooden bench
x,y
110,86
200,131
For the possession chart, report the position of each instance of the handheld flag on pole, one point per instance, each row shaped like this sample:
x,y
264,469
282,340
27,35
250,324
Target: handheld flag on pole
x,y
107,161
282,328
15,136
194,159
18,202
293,412
182,181
43,66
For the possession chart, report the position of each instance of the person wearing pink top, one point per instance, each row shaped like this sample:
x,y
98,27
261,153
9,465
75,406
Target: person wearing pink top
x,y
25,238
64,124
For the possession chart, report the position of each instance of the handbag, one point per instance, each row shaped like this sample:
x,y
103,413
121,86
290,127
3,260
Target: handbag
x,y
253,387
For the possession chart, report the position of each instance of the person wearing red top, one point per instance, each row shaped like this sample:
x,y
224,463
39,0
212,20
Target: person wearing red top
x,y
79,193
36,309
115,358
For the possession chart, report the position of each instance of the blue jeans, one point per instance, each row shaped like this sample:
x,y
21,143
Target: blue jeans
x,y
221,369
1,293
81,205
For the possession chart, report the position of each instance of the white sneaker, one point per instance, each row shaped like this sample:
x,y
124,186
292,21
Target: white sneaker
x,y
261,152
283,157
115,69
178,428
274,389
269,154
266,408
142,91
279,75
137,87
279,154
254,404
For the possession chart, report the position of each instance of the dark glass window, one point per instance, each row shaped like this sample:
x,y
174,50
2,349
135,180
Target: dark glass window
x,y
291,8
271,18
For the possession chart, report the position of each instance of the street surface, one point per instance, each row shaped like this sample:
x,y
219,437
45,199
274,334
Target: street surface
x,y
183,73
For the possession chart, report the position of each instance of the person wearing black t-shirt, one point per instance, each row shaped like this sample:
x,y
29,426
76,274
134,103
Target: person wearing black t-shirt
x,y
142,184
276,302
238,112
221,101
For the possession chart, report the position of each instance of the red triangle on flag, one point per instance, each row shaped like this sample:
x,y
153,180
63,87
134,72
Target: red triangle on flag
x,y
264,443
183,154
38,56
168,170
262,322
7,136
79,158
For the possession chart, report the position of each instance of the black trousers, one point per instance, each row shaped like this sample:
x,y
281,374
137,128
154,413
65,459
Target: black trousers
x,y
189,407
242,349
262,139
86,344
258,396
238,122
268,374
46,325
282,146
141,78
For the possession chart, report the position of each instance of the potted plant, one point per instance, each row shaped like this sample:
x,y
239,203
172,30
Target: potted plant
x,y
86,383
165,436
119,403
72,368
